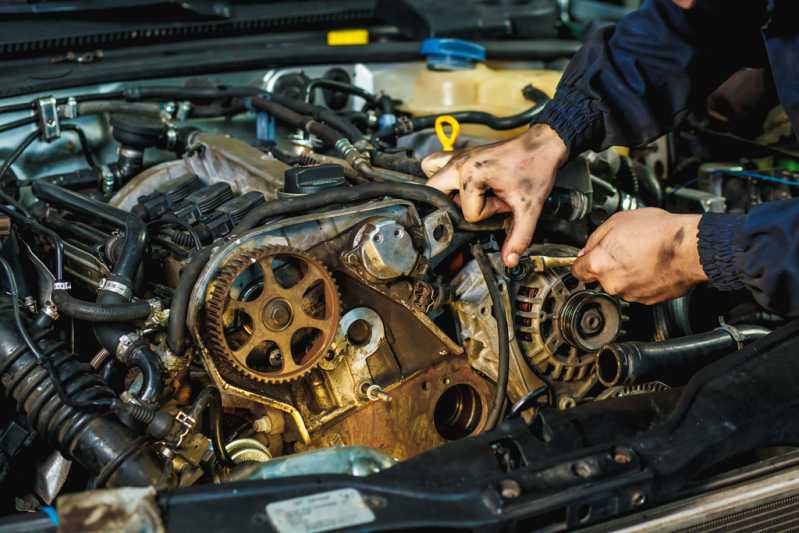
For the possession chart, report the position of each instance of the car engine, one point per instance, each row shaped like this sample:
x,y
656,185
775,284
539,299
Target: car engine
x,y
250,269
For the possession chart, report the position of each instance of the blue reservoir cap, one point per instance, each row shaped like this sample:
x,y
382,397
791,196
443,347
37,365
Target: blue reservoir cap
x,y
451,54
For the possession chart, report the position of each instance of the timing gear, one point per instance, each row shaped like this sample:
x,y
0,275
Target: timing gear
x,y
272,313
561,323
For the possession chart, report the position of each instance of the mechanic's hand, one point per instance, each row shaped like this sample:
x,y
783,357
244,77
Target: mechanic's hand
x,y
647,255
510,176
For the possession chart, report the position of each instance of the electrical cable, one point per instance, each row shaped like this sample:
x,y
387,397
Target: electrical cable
x,y
34,349
27,141
760,177
84,143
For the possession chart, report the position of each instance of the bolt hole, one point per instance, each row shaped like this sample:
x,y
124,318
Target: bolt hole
x,y
439,232
359,332
583,512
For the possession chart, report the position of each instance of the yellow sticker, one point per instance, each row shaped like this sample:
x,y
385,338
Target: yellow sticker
x,y
447,140
347,37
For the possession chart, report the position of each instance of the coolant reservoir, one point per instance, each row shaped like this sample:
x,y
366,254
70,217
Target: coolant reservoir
x,y
456,79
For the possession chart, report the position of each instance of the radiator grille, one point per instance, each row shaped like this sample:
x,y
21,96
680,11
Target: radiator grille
x,y
778,515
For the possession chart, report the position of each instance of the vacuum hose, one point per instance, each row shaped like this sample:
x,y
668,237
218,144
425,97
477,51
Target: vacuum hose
x,y
627,363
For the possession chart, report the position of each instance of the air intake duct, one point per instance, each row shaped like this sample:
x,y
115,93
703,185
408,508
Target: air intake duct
x,y
113,454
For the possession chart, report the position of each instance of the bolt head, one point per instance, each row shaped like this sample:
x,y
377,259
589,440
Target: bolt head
x,y
509,489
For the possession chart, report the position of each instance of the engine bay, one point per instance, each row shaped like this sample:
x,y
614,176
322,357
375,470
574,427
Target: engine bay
x,y
210,277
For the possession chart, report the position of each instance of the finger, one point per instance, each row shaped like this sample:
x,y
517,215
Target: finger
x,y
595,265
582,271
493,206
435,162
518,240
473,199
596,237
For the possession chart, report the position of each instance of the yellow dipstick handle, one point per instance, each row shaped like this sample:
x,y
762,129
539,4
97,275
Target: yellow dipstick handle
x,y
447,141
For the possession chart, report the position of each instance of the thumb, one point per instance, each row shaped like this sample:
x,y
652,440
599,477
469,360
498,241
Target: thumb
x,y
435,162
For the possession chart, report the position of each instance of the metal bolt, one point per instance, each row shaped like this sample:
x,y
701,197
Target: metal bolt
x,y
262,425
509,489
582,469
638,499
622,457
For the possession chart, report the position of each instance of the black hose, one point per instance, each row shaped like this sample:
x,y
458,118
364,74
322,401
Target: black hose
x,y
148,363
628,363
176,327
135,229
86,148
210,398
10,160
348,88
321,114
110,335
295,119
360,193
502,333
480,117
189,93
17,124
94,312
398,162
91,439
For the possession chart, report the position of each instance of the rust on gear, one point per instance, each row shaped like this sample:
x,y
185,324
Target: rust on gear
x,y
280,326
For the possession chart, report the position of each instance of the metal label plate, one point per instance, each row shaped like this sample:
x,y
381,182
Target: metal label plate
x,y
326,511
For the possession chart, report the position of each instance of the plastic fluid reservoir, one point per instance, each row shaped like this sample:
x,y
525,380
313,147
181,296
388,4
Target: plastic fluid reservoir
x,y
455,78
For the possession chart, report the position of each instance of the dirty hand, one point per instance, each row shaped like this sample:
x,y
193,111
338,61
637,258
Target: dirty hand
x,y
647,255
513,176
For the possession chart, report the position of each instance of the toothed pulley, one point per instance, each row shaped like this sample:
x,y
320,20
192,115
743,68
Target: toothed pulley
x,y
272,313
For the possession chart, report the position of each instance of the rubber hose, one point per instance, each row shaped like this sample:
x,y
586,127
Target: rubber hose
x,y
360,193
94,312
322,114
176,327
89,438
502,333
118,106
210,398
190,93
399,162
293,118
628,363
480,117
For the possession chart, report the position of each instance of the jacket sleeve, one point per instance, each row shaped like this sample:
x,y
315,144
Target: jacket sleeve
x,y
758,251
635,81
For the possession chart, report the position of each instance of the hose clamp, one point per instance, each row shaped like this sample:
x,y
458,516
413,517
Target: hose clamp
x,y
126,342
70,109
62,286
736,335
115,287
188,422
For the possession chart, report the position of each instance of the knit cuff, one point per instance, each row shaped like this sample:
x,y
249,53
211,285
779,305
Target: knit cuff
x,y
718,249
571,115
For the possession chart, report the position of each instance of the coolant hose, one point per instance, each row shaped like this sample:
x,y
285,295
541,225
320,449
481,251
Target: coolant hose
x,y
627,363
293,118
118,339
96,441
95,312
209,398
176,327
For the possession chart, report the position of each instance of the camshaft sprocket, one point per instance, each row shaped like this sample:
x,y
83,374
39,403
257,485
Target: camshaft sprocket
x,y
272,313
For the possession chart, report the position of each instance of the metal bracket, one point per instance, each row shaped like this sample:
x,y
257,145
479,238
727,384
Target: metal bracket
x,y
115,286
47,108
